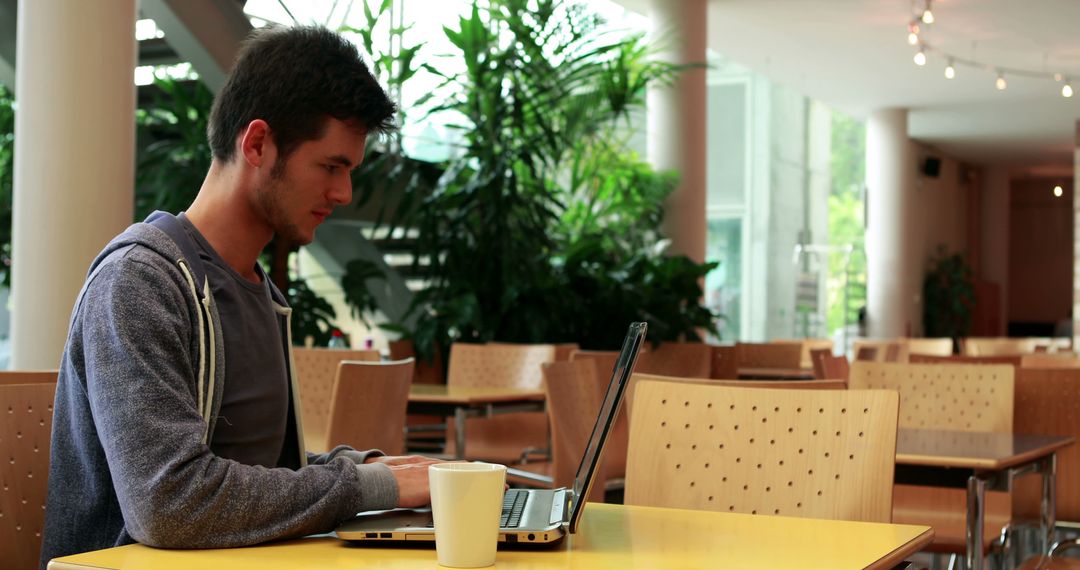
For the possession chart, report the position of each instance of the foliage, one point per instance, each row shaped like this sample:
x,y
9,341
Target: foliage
x,y
7,179
846,223
172,161
543,229
948,295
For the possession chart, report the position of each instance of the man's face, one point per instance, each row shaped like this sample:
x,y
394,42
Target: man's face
x,y
314,180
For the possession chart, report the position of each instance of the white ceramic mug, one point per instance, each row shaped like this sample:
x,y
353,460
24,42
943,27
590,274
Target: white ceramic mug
x,y
466,503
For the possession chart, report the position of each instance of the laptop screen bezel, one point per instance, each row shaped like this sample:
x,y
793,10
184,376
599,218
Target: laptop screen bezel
x,y
605,419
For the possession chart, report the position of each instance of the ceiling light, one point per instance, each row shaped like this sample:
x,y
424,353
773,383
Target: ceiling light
x,y
1066,90
927,15
1058,191
920,57
912,38
950,70
1000,83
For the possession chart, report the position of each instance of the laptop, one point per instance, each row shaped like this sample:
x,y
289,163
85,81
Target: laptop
x,y
530,516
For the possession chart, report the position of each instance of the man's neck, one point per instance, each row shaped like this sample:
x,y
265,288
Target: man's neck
x,y
223,215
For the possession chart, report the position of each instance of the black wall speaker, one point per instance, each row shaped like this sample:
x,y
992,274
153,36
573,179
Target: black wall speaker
x,y
931,167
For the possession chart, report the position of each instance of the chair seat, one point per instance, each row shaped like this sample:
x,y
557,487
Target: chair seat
x,y
944,509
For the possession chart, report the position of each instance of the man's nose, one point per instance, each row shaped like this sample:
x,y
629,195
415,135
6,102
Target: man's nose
x,y
341,192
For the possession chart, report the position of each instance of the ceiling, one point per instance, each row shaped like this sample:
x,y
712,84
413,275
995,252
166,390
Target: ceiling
x,y
853,55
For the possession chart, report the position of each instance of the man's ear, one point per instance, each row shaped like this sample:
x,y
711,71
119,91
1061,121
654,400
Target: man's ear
x,y
257,144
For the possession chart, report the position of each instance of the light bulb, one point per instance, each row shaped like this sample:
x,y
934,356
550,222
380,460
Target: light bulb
x,y
1000,83
950,71
1058,191
1066,90
912,38
928,16
920,57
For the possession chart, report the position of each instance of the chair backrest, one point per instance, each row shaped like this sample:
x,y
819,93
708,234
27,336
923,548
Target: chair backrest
x,y
806,346
433,372
768,355
724,366
685,359
1000,346
603,359
28,377
367,410
773,384
959,397
316,369
574,395
828,366
1046,404
25,431
498,365
960,359
1050,360
885,350
929,346
502,438
806,453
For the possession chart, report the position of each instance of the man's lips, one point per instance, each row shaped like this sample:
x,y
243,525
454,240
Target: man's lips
x,y
320,215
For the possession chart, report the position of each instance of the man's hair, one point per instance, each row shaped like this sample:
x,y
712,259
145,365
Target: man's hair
x,y
294,79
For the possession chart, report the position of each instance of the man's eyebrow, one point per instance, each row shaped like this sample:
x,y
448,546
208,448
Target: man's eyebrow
x,y
341,159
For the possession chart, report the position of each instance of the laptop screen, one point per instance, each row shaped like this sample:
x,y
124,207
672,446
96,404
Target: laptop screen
x,y
590,462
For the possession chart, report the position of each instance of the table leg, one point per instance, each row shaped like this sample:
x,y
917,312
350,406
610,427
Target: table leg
x,y
976,506
459,432
1049,502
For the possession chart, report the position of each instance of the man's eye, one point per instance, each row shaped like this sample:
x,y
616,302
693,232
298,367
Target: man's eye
x,y
331,168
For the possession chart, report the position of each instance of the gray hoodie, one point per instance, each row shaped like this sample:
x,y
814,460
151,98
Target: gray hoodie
x,y
137,397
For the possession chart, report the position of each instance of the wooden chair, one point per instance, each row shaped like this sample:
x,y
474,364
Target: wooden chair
x,y
685,359
562,350
433,372
959,397
885,350
504,438
807,346
316,369
866,353
930,346
724,366
367,410
1013,361
828,366
999,346
805,453
574,396
25,432
768,355
1050,360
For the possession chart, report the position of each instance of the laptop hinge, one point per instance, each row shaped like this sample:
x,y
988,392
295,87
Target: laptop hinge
x,y
560,506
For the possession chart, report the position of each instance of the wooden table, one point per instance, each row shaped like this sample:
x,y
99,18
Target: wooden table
x,y
611,536
461,403
759,373
981,461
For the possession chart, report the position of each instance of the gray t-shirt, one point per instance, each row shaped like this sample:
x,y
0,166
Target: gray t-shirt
x,y
255,405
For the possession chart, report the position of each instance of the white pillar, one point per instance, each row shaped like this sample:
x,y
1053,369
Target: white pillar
x,y
676,120
894,269
74,153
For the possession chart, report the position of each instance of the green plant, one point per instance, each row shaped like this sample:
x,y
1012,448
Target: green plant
x,y
7,179
948,295
543,230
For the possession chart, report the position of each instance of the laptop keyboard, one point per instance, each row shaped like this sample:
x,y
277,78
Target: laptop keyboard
x,y
513,506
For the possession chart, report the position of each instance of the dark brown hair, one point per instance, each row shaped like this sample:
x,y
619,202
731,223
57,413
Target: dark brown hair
x,y
294,78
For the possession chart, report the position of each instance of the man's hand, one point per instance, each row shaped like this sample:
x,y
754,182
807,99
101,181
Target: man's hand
x,y
411,474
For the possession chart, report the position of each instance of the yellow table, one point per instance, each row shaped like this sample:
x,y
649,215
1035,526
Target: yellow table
x,y
611,536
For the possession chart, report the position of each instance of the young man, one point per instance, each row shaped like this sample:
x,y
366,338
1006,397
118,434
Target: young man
x,y
176,421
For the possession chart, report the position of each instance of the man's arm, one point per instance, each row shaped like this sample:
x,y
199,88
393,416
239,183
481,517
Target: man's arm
x,y
173,491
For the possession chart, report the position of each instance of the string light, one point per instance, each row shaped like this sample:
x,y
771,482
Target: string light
x,y
920,57
916,37
1058,191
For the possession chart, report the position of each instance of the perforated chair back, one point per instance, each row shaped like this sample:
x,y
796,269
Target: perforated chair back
x,y
502,438
1013,361
930,346
1000,346
684,359
316,369
574,395
1046,403
956,397
367,410
768,355
806,453
25,432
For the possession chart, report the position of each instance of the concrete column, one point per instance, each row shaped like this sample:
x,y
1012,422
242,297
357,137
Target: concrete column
x,y
74,153
894,268
676,120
